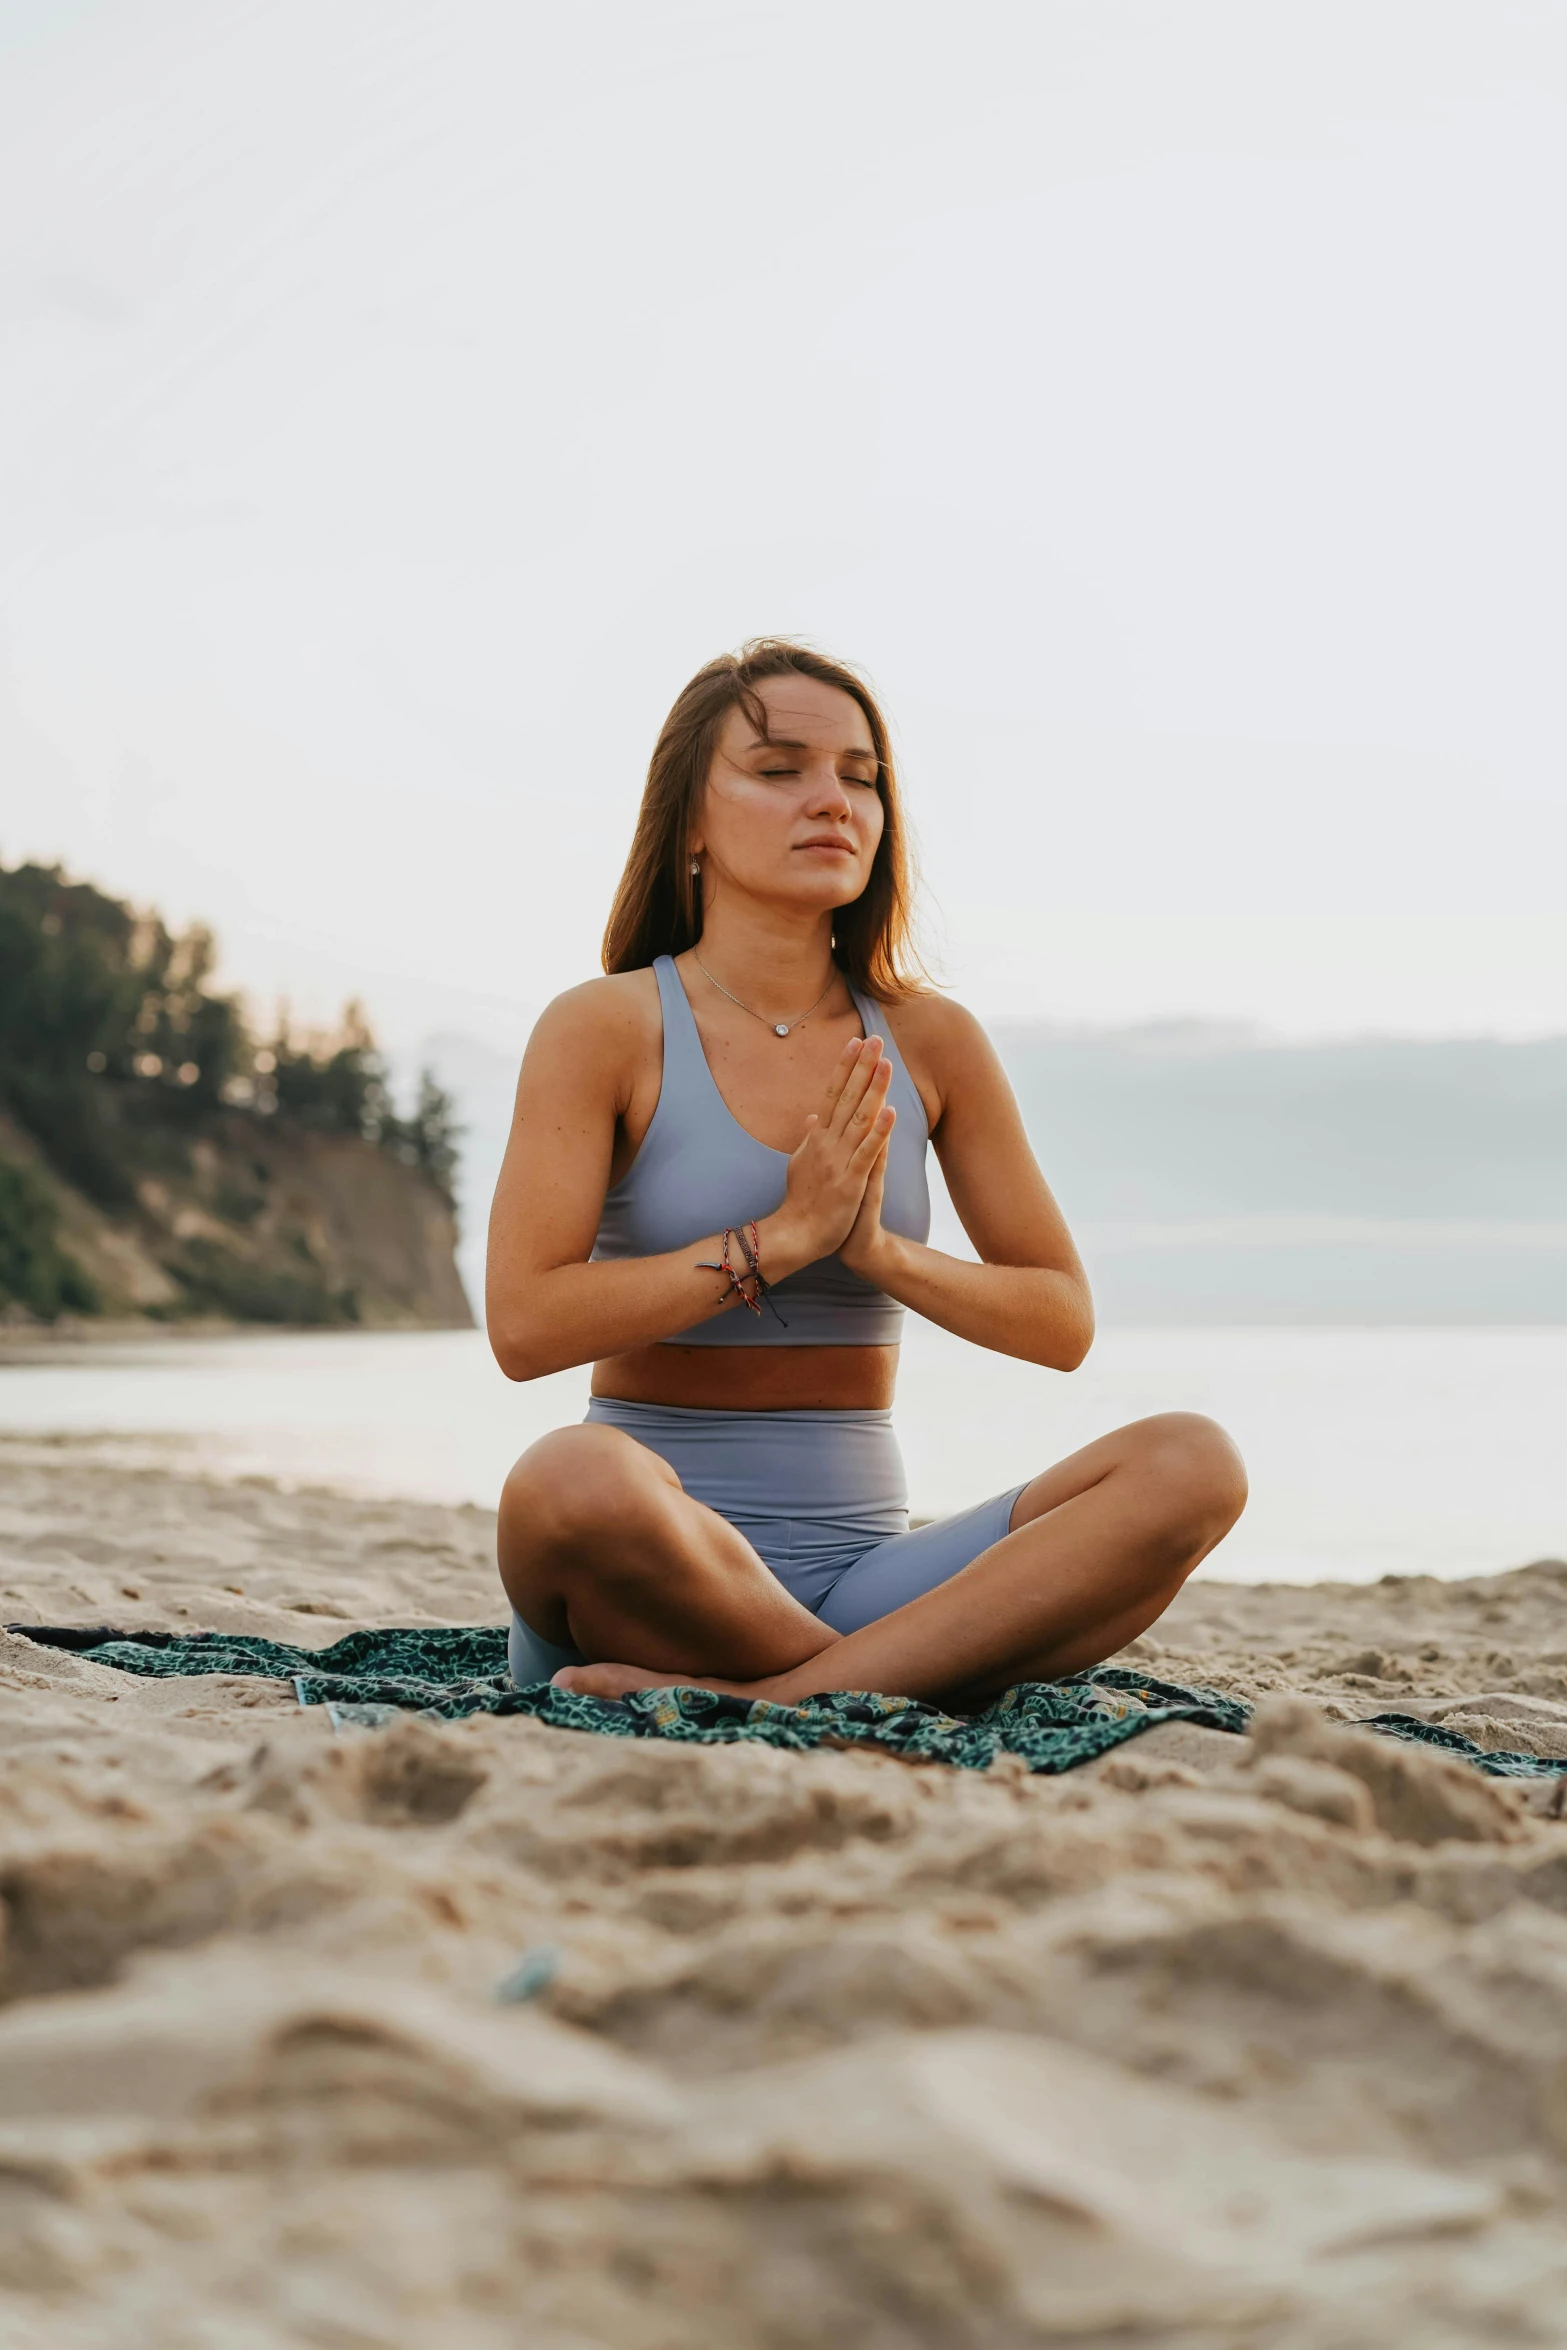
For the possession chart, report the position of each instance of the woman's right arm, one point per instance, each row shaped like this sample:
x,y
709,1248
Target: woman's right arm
x,y
547,1307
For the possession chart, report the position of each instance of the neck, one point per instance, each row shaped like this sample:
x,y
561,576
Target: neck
x,y
775,960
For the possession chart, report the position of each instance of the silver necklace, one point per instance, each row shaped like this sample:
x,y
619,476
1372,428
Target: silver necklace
x,y
778,1027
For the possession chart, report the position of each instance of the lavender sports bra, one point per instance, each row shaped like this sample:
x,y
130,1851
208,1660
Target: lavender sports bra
x,y
699,1170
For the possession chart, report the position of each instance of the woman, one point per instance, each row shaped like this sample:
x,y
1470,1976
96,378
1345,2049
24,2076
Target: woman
x,y
715,1192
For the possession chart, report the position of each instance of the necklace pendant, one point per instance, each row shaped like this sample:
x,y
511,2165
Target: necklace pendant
x,y
780,1029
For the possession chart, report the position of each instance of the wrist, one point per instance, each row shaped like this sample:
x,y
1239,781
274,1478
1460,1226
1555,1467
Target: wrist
x,y
871,1254
785,1244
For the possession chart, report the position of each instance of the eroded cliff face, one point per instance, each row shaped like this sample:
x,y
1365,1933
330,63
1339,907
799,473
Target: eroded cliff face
x,y
252,1220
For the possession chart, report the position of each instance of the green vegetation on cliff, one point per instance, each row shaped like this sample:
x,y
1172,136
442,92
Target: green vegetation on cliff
x,y
145,1126
35,1272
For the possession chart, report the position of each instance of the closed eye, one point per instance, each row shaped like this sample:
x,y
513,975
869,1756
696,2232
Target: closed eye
x,y
866,782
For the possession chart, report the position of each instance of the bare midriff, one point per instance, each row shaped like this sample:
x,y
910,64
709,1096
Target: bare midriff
x,y
753,1379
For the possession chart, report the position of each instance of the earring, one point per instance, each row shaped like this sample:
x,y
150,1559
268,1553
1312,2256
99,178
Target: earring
x,y
696,869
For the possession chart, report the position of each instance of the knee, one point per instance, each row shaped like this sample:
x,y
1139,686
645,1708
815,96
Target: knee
x,y
1198,1474
577,1483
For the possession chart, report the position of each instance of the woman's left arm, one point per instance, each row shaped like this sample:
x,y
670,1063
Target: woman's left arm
x,y
1029,1295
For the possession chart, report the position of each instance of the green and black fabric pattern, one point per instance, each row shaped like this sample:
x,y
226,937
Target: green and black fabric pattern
x,y
450,1672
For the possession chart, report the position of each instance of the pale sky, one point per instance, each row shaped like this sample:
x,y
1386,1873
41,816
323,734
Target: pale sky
x,y
1162,398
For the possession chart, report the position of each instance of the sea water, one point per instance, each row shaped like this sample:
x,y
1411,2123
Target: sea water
x,y
1371,1452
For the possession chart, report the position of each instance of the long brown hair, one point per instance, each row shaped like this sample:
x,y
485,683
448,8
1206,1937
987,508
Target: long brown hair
x,y
658,905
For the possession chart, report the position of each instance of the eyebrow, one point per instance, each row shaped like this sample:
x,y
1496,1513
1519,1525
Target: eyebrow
x,y
781,742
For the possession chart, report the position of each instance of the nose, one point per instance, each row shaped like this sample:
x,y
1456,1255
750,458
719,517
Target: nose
x,y
828,797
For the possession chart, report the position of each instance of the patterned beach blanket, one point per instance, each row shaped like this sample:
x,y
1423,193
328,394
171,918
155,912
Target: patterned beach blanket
x,y
450,1672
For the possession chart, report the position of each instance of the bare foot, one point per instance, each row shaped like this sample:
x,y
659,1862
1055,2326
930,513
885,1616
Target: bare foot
x,y
620,1680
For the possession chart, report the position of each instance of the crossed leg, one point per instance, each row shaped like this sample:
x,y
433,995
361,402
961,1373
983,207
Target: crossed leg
x,y
601,1545
602,1548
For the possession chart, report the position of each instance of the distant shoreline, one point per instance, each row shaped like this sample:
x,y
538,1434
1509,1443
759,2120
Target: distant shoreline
x,y
91,1331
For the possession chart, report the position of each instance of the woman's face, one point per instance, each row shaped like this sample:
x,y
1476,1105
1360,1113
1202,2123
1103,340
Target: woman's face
x,y
795,817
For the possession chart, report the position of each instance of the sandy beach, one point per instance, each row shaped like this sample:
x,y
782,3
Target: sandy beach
x,y
1218,2041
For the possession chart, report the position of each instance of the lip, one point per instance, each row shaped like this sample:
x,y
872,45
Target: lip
x,y
842,848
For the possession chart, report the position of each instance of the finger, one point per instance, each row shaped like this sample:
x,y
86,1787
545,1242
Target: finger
x,y
871,1099
865,1156
846,1060
811,1124
872,1152
858,1079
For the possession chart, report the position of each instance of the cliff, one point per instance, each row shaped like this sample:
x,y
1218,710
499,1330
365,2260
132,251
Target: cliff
x,y
157,1158
251,1220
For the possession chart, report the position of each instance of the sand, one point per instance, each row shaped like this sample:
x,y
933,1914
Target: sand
x,y
1219,2042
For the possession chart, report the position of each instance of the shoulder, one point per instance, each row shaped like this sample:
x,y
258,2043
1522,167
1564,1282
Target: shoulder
x,y
941,1036
937,1022
596,1036
601,1013
944,1048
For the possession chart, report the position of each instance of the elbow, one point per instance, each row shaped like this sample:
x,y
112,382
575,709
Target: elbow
x,y
1074,1337
514,1360
518,1353
530,1335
